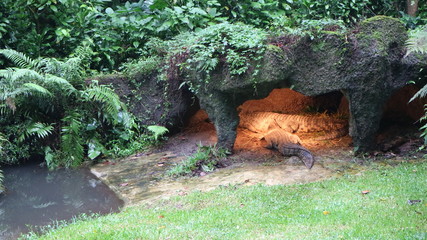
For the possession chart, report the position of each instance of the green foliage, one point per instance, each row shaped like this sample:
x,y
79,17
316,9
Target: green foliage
x,y
172,17
205,159
238,46
119,30
417,42
46,114
142,66
349,11
41,130
108,100
71,140
157,131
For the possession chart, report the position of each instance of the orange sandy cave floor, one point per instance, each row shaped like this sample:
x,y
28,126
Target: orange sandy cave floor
x,y
249,145
185,142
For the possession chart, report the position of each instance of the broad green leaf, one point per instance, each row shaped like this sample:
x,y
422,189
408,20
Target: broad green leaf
x,y
198,11
158,5
109,10
53,8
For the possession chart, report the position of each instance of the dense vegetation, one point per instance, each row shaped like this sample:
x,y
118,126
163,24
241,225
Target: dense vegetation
x,y
51,47
119,30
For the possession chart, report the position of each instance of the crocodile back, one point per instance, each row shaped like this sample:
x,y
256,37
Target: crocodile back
x,y
265,121
278,137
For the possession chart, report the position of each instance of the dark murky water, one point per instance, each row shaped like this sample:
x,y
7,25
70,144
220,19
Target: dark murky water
x,y
37,197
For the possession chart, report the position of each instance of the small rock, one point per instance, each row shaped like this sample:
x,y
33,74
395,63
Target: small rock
x,y
202,174
412,202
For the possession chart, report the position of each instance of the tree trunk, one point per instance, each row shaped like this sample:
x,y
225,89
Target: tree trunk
x,y
412,7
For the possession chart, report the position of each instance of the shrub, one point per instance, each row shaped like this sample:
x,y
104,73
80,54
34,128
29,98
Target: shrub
x,y
47,109
205,159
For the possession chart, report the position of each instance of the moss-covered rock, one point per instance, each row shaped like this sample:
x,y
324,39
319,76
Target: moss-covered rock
x,y
153,101
366,64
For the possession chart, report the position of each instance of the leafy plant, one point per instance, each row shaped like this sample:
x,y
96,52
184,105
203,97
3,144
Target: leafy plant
x,y
157,131
235,45
205,159
141,66
56,114
417,42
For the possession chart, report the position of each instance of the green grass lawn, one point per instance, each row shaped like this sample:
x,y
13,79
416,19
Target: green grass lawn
x,y
333,209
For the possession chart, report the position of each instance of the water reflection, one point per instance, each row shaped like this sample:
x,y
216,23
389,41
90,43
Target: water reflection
x,y
36,197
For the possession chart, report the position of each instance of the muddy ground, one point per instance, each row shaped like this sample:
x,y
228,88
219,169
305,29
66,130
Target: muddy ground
x,y
141,178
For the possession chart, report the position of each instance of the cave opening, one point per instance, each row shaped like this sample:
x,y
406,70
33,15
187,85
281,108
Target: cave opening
x,y
399,124
327,107
319,122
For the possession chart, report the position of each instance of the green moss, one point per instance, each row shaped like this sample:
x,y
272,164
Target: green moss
x,y
380,32
274,48
334,33
379,18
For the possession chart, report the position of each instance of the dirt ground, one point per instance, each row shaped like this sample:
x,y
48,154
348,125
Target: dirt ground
x,y
141,178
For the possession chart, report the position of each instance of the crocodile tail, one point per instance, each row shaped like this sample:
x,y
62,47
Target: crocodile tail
x,y
299,151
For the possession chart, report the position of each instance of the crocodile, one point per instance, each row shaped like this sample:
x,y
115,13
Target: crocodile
x,y
262,122
288,144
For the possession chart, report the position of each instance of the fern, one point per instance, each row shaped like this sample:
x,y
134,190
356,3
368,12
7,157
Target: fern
x,y
34,88
71,140
70,70
157,131
417,42
420,94
20,59
41,93
38,129
110,101
59,83
6,107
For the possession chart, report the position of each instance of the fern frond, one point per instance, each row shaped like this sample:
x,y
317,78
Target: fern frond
x,y
71,140
5,109
52,80
1,181
157,131
24,74
32,88
420,94
417,42
19,59
110,101
50,66
38,129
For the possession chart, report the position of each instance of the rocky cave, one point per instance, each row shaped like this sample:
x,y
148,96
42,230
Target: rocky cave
x,y
398,132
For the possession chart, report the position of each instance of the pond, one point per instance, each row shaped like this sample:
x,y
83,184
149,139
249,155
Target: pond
x,y
35,196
